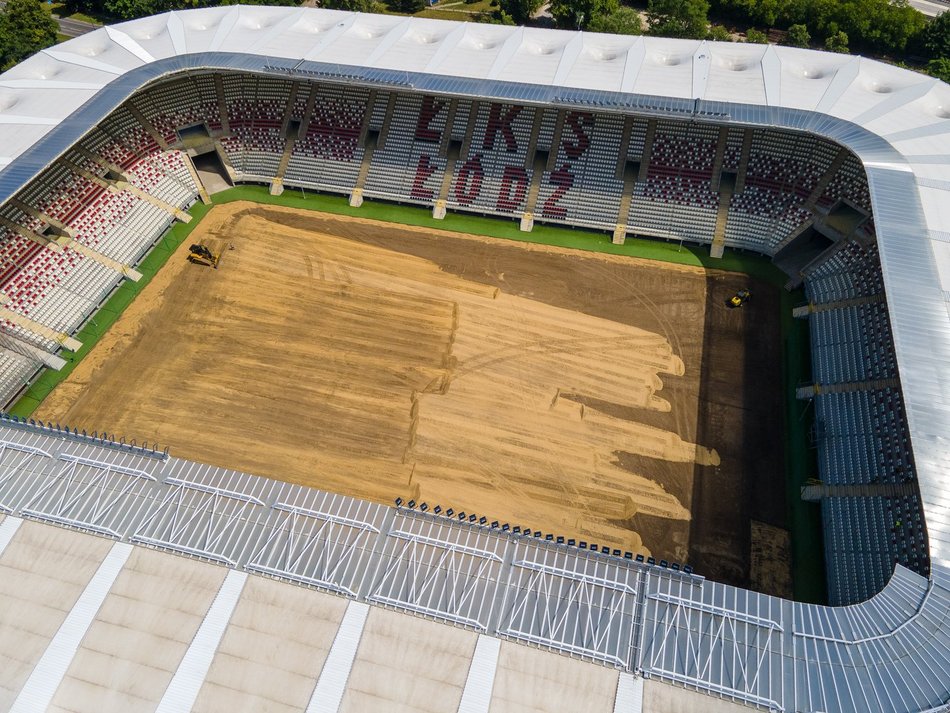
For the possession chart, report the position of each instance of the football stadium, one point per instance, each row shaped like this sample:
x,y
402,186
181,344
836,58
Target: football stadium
x,y
361,362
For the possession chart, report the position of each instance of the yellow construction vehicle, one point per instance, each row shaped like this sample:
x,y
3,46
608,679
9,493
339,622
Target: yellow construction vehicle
x,y
738,299
201,255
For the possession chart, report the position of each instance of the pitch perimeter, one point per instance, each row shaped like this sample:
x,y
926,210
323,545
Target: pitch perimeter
x,y
569,393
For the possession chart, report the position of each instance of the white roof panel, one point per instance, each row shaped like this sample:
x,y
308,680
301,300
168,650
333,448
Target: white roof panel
x,y
598,62
297,38
38,105
667,69
152,35
936,203
360,40
409,47
44,68
97,50
921,122
540,54
736,73
253,27
471,50
804,81
199,26
877,91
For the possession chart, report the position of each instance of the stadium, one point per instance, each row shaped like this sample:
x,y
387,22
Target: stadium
x,y
561,431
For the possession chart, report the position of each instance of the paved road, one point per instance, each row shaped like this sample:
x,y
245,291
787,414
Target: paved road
x,y
929,7
74,28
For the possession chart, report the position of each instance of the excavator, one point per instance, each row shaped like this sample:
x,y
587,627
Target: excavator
x,y
201,255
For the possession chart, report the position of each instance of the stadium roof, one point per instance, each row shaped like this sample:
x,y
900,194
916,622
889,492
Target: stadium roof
x,y
896,121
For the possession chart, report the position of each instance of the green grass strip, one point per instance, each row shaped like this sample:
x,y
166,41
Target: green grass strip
x,y
103,319
804,519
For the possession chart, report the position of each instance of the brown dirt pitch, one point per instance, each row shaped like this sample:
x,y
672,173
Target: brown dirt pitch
x,y
603,398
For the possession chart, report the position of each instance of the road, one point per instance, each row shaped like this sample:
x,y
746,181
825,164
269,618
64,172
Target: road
x,y
929,7
74,28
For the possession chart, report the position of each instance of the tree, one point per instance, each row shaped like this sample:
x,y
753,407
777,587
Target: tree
x,y
625,21
937,36
130,9
881,26
756,37
837,42
520,10
410,7
95,8
577,14
25,28
765,12
678,18
351,5
491,17
719,33
817,14
755,12
798,36
286,3
939,68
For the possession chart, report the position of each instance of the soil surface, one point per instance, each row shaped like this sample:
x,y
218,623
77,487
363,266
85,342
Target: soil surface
x,y
603,398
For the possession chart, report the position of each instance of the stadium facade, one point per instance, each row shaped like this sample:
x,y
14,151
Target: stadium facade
x,y
777,150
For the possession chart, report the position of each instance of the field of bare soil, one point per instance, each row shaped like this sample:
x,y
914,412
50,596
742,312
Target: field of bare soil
x,y
605,398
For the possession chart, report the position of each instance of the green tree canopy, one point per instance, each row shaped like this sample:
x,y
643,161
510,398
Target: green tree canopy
x,y
408,6
756,36
937,36
940,68
719,33
881,26
286,3
26,27
578,14
756,12
837,42
130,9
351,5
496,17
678,18
625,21
884,26
520,10
798,36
